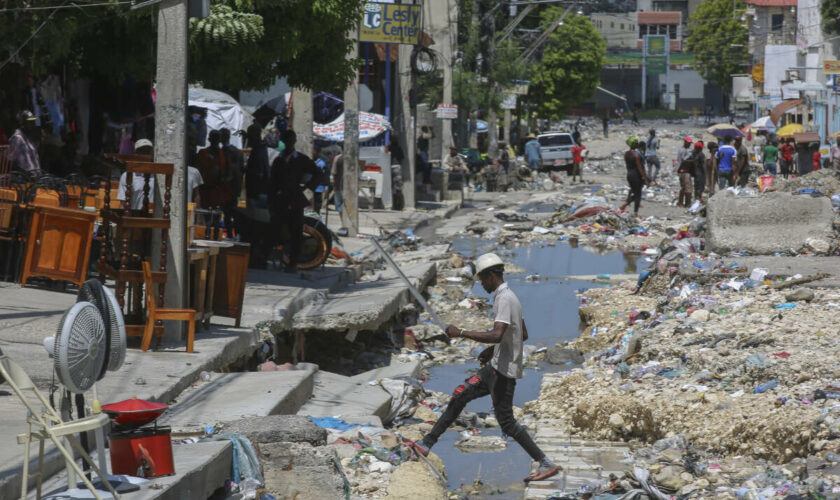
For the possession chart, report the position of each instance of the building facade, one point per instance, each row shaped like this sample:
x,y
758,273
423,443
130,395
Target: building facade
x,y
618,29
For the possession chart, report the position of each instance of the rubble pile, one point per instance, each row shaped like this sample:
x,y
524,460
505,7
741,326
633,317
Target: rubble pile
x,y
744,375
823,182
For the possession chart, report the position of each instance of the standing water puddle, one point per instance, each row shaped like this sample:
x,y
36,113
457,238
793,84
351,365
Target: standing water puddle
x,y
550,308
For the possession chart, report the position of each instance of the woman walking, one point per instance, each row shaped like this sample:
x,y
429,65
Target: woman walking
x,y
636,176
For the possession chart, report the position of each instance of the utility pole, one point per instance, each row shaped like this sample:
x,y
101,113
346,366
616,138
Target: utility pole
x,y
644,71
351,143
492,121
448,50
171,147
302,120
405,80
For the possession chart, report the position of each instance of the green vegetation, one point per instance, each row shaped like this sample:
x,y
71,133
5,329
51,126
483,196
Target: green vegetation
x,y
718,38
243,45
830,10
570,67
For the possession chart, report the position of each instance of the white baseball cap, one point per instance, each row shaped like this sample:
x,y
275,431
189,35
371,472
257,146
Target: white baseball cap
x,y
143,143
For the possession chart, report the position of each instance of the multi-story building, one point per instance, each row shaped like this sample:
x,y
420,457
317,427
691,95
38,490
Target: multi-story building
x,y
618,29
771,22
660,23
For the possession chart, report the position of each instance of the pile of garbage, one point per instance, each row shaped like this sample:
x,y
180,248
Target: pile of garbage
x,y
823,182
729,390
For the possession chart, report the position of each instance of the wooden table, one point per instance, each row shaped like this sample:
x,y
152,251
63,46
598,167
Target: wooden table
x,y
231,276
202,281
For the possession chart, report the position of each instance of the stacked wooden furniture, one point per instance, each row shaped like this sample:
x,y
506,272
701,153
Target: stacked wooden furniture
x,y
122,227
9,198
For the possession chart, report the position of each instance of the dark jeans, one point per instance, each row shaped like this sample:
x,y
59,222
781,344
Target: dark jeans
x,y
724,179
636,185
292,220
317,201
744,176
500,388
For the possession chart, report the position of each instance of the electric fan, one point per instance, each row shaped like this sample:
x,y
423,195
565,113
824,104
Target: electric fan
x,y
80,347
96,293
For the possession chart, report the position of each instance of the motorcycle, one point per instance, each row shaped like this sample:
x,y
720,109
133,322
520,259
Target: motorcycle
x,y
254,224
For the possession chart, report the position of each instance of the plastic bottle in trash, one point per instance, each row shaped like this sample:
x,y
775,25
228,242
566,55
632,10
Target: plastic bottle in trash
x,y
204,376
766,386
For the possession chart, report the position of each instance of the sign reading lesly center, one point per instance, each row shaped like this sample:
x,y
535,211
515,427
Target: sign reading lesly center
x,y
390,23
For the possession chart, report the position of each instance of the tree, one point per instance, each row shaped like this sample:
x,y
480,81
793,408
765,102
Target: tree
x,y
243,45
830,11
570,68
718,40
303,40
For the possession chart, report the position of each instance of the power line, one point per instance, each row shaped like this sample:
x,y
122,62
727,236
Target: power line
x,y
73,5
17,51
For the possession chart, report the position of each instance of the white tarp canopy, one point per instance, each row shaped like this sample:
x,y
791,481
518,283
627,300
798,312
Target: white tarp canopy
x,y
370,126
223,111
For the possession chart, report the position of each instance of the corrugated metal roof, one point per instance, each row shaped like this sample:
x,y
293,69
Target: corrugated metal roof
x,y
772,3
659,17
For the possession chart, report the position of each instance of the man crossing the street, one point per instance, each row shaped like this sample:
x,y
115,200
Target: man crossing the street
x,y
498,377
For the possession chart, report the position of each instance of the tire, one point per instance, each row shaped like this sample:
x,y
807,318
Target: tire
x,y
316,245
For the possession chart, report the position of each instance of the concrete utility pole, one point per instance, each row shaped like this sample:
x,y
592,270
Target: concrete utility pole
x,y
351,143
644,72
302,120
407,135
448,51
171,147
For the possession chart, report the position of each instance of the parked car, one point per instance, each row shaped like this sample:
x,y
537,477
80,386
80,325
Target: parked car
x,y
556,150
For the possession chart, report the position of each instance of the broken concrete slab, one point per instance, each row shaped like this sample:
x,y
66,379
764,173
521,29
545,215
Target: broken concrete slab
x,y
425,254
232,396
336,396
773,222
299,470
200,469
396,369
278,428
366,305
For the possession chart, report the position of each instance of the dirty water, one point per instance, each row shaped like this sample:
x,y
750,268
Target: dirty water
x,y
550,308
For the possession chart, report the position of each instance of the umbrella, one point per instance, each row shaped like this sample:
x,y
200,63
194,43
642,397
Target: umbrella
x,y
789,129
763,123
722,130
370,126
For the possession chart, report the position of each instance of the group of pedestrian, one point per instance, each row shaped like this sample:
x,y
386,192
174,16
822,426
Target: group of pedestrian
x,y
700,167
275,180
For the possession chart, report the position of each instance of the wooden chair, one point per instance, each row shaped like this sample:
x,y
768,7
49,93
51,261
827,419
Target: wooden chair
x,y
158,314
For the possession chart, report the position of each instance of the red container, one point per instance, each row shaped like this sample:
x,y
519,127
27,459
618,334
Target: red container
x,y
145,452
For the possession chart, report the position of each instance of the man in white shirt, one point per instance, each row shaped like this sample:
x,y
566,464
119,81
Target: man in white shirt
x,y
138,181
498,377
